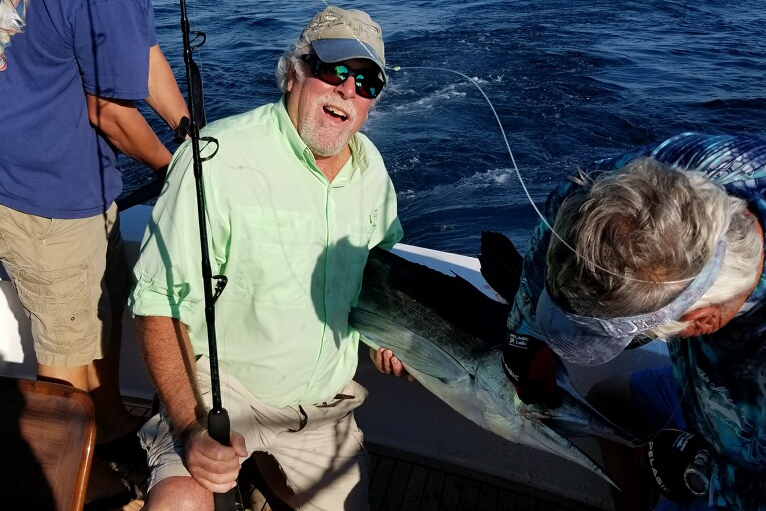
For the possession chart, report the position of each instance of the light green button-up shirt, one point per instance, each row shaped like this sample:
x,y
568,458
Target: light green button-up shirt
x,y
292,245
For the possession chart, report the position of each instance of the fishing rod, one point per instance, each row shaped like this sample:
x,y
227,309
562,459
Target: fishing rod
x,y
218,424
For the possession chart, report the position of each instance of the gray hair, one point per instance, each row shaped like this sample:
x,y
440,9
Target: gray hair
x,y
291,60
657,226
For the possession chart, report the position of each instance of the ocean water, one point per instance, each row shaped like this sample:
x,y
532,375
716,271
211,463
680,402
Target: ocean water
x,y
572,81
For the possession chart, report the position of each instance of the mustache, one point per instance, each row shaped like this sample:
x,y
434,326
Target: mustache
x,y
333,101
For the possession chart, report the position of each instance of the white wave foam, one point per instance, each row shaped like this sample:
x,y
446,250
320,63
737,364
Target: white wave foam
x,y
427,102
492,177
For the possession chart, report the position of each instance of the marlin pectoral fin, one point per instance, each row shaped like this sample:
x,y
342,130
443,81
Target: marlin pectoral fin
x,y
413,350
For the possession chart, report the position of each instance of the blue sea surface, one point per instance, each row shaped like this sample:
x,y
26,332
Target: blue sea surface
x,y
572,81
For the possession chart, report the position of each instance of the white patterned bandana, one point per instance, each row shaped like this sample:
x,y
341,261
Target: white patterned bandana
x,y
592,341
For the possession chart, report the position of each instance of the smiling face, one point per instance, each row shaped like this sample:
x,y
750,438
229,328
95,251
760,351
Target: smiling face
x,y
326,116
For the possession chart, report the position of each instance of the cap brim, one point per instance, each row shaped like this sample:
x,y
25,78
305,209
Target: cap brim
x,y
601,350
591,341
582,344
336,50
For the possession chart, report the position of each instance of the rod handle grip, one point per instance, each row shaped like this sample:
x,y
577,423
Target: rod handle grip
x,y
219,429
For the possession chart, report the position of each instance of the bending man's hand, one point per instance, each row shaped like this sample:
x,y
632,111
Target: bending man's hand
x,y
387,363
213,465
531,366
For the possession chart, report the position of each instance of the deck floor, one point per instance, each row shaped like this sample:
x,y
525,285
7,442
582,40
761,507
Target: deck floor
x,y
405,482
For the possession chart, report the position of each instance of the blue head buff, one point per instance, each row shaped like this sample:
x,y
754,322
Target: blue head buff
x,y
591,341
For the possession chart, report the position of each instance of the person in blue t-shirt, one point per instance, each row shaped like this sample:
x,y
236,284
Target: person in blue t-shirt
x,y
70,71
668,243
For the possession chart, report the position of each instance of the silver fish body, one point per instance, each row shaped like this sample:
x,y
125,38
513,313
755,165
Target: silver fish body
x,y
424,317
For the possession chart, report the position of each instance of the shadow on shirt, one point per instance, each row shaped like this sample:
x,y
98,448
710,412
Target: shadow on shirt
x,y
335,285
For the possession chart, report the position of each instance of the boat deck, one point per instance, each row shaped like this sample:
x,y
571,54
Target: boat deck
x,y
405,482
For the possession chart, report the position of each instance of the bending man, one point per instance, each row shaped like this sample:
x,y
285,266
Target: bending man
x,y
672,252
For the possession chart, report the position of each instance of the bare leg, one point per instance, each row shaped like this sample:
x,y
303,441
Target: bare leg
x,y
101,379
179,494
112,418
74,376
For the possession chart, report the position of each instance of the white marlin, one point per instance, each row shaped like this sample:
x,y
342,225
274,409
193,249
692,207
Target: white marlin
x,y
450,337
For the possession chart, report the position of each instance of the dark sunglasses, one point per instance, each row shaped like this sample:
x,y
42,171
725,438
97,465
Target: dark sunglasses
x,y
367,85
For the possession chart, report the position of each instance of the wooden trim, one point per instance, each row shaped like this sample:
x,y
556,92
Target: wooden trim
x,y
68,414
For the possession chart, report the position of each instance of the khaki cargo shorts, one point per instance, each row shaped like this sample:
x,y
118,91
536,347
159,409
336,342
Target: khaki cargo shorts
x,y
70,275
319,447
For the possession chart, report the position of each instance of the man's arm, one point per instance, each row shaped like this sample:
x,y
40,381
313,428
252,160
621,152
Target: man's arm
x,y
164,96
168,356
127,130
167,353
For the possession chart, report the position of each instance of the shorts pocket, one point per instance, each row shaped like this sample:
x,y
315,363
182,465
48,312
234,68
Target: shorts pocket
x,y
153,431
64,316
161,446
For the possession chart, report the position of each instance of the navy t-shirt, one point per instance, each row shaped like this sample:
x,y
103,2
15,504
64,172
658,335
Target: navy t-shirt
x,y
52,161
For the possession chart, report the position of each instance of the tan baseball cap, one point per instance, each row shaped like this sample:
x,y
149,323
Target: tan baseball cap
x,y
340,34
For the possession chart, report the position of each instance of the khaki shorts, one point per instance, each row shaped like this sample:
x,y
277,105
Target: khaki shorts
x,y
319,447
70,275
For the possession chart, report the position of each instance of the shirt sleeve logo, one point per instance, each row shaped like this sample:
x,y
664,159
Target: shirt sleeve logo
x,y
12,15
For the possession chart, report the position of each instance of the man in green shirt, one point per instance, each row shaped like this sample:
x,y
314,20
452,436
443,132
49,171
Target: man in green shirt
x,y
295,197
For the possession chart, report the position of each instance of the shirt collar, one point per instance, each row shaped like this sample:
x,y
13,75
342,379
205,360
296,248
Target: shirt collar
x,y
357,164
286,128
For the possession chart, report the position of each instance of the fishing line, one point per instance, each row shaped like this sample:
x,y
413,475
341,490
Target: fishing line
x,y
201,64
542,217
529,196
523,184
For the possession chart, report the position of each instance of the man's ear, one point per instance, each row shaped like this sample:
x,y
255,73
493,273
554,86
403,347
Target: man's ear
x,y
290,79
704,320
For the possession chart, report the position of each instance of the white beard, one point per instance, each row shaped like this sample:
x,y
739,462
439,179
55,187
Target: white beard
x,y
322,138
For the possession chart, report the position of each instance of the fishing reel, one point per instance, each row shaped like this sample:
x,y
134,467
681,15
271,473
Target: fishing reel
x,y
680,463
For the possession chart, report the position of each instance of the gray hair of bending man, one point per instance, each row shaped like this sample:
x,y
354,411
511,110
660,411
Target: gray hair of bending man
x,y
291,60
654,225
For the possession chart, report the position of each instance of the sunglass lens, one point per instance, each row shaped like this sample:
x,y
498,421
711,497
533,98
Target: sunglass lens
x,y
328,73
333,74
368,86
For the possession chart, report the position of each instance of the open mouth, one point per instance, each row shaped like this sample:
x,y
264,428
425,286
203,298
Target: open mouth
x,y
335,113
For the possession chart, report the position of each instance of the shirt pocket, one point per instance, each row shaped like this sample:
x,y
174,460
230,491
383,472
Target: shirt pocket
x,y
275,262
